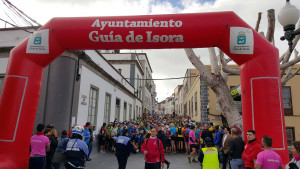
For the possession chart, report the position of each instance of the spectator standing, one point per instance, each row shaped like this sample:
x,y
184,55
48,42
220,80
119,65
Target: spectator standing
x,y
225,146
217,138
86,138
206,133
38,146
123,147
59,156
53,137
268,159
101,138
92,139
208,155
295,162
236,150
252,148
154,152
70,132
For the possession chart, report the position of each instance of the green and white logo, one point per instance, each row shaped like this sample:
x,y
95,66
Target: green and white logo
x,y
241,39
38,39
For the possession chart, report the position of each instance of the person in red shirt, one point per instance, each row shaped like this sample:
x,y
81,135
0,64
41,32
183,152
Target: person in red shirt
x,y
70,132
251,150
154,152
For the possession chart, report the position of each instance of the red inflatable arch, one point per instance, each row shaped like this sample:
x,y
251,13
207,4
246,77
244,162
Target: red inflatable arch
x,y
257,58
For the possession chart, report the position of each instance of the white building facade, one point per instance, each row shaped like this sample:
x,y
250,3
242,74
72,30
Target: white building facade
x,y
78,87
136,68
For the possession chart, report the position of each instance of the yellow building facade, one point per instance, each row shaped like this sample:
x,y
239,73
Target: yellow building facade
x,y
193,105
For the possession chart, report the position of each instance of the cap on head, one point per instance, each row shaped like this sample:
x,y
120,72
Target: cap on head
x,y
50,126
78,130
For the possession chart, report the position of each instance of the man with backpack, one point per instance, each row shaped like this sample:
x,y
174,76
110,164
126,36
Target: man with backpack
x,y
154,152
180,137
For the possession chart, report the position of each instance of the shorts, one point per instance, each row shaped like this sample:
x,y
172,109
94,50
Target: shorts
x,y
173,138
193,146
168,142
101,140
186,138
180,139
141,139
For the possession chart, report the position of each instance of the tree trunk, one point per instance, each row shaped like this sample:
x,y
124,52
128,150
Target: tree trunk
x,y
220,88
226,102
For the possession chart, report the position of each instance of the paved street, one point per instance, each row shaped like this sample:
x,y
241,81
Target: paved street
x,y
136,161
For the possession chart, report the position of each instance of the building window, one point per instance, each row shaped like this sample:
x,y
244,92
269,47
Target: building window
x,y
140,113
196,110
189,108
118,107
135,113
290,135
93,101
185,109
125,112
1,84
192,108
287,101
137,86
107,108
181,109
130,112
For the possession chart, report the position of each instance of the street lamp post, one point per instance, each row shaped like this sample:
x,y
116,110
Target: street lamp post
x,y
288,17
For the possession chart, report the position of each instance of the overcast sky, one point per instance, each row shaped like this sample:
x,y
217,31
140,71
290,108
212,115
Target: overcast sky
x,y
168,62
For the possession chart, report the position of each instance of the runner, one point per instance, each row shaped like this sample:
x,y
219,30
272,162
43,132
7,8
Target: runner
x,y
154,152
168,139
192,144
173,138
186,132
180,138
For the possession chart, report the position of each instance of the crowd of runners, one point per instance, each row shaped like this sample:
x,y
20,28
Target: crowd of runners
x,y
213,145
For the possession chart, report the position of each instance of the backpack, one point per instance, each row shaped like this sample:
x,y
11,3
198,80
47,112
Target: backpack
x,y
179,131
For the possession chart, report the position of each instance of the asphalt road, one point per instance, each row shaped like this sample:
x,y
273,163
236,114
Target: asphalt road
x,y
136,161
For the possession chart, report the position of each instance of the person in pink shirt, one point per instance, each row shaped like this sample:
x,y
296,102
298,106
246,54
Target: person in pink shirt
x,y
39,144
192,143
268,159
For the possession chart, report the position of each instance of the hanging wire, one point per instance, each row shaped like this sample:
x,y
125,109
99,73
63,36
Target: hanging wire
x,y
34,21
17,14
15,25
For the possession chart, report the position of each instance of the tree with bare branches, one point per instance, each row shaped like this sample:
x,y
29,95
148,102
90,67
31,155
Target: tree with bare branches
x,y
216,78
